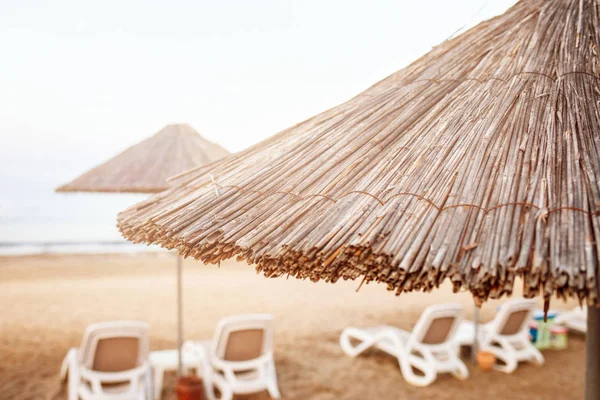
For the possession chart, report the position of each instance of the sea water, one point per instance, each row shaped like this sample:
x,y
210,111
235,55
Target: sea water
x,y
34,219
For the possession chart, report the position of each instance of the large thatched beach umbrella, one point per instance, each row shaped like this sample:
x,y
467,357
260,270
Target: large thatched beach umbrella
x,y
145,167
478,163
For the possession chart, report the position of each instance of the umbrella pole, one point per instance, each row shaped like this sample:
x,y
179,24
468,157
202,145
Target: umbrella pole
x,y
475,347
592,354
179,317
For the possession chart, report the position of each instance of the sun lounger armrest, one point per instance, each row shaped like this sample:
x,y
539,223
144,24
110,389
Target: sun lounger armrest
x,y
114,377
242,365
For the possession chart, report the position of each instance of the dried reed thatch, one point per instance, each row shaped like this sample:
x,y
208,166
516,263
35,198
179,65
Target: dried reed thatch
x,y
145,167
479,162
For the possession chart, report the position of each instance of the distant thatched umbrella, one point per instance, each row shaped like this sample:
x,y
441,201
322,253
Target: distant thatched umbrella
x,y
480,162
145,167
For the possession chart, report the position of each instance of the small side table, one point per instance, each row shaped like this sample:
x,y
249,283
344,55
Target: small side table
x,y
166,360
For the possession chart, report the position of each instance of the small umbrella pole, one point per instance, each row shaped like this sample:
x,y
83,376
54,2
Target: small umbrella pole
x,y
592,354
179,317
475,347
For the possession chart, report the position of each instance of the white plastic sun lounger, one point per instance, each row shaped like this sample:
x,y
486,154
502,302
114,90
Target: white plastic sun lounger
x,y
507,336
430,349
111,363
575,319
239,359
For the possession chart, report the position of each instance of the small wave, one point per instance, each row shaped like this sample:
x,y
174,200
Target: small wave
x,y
66,247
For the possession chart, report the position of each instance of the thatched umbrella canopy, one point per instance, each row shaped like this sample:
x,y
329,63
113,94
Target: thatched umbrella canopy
x,y
480,162
146,166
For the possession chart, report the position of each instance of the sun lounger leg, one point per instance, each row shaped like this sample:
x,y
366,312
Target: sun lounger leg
x,y
461,371
73,374
272,386
538,358
158,382
64,368
224,390
346,345
504,355
408,362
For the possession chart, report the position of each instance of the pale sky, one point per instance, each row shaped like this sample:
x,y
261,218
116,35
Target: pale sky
x,y
82,80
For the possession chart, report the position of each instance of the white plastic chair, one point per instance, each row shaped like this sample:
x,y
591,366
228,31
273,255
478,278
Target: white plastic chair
x,y
507,336
575,319
239,359
111,363
430,348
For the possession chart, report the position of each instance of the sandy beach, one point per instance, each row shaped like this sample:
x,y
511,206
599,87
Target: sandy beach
x,y
47,301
